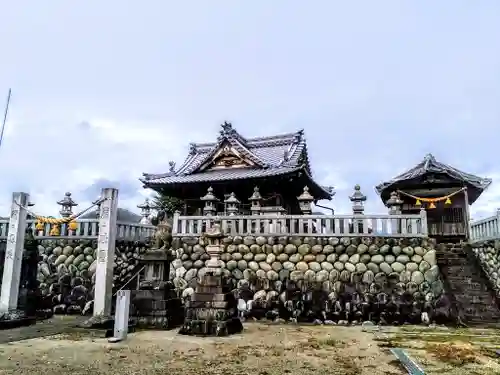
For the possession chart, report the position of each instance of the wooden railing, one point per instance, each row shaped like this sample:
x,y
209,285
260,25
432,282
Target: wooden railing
x,y
486,229
306,225
86,229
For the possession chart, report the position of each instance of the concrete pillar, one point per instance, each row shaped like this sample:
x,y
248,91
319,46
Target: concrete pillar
x,y
105,252
122,315
14,253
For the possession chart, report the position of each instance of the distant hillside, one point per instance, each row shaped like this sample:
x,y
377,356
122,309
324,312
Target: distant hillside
x,y
124,215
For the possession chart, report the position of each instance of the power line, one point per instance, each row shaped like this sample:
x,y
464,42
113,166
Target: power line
x,y
5,117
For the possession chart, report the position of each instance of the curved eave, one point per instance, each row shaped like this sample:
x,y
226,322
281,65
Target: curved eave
x,y
318,192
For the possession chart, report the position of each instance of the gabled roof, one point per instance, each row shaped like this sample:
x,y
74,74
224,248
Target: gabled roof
x,y
430,165
270,156
283,152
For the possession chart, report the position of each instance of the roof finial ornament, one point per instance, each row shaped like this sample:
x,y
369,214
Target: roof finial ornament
x,y
298,136
227,128
192,148
171,166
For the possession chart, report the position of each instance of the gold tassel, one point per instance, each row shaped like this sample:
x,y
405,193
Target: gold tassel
x,y
73,225
432,205
418,203
55,231
448,201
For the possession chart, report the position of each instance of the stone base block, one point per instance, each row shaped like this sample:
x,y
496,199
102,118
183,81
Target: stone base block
x,y
211,327
15,318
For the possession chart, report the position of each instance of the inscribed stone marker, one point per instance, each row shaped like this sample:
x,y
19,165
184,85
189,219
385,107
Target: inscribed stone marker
x,y
14,253
105,253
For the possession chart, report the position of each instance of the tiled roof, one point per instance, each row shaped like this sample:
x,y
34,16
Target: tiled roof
x,y
222,175
274,155
431,165
279,151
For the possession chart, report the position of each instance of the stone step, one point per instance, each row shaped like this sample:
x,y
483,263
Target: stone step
x,y
479,299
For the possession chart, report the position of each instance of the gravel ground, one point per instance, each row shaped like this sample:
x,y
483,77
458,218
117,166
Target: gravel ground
x,y
262,349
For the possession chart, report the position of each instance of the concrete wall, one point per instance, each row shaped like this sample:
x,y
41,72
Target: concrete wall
x,y
367,264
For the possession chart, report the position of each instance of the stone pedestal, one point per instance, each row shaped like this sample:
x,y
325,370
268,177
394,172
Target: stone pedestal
x,y
211,312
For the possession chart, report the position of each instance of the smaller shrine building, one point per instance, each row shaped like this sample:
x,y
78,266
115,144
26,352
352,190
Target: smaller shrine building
x,y
444,191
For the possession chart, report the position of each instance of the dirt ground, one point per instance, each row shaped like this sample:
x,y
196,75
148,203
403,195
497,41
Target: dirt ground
x,y
262,349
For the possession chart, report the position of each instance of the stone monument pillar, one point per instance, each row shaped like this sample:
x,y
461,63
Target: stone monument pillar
x,y
14,253
211,312
105,253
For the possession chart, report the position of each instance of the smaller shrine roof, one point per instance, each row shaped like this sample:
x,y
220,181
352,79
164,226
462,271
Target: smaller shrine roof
x,y
430,165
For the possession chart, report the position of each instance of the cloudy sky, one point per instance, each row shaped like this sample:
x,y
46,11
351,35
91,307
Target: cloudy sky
x,y
105,90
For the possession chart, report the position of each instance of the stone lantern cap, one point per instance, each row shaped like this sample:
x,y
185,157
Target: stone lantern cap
x,y
232,199
215,230
305,196
256,195
394,200
67,201
145,206
357,196
209,196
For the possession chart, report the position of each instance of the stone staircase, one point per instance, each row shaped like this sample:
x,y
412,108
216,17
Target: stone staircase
x,y
467,285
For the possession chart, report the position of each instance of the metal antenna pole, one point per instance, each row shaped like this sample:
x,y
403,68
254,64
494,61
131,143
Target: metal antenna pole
x,y
5,117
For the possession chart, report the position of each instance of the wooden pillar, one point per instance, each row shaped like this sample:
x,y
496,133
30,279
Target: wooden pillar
x,y
106,253
14,253
467,216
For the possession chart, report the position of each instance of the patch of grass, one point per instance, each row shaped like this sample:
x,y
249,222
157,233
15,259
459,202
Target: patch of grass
x,y
453,353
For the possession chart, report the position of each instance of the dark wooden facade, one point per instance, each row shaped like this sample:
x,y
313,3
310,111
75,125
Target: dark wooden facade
x,y
433,179
277,165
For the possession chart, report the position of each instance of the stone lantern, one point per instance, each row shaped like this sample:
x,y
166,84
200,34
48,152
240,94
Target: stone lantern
x,y
255,200
394,204
67,204
305,200
214,247
232,204
358,199
145,211
210,202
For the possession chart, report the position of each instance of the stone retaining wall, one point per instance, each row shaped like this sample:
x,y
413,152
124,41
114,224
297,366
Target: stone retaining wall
x,y
369,264
488,253
66,270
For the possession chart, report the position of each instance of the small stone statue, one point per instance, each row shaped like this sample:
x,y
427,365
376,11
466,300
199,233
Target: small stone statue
x,y
163,234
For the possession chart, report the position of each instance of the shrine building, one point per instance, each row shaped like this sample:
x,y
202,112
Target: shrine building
x,y
278,166
444,191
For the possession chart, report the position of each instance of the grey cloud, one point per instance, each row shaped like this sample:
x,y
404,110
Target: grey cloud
x,y
374,90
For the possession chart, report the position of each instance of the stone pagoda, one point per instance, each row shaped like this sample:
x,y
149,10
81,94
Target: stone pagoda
x,y
211,311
